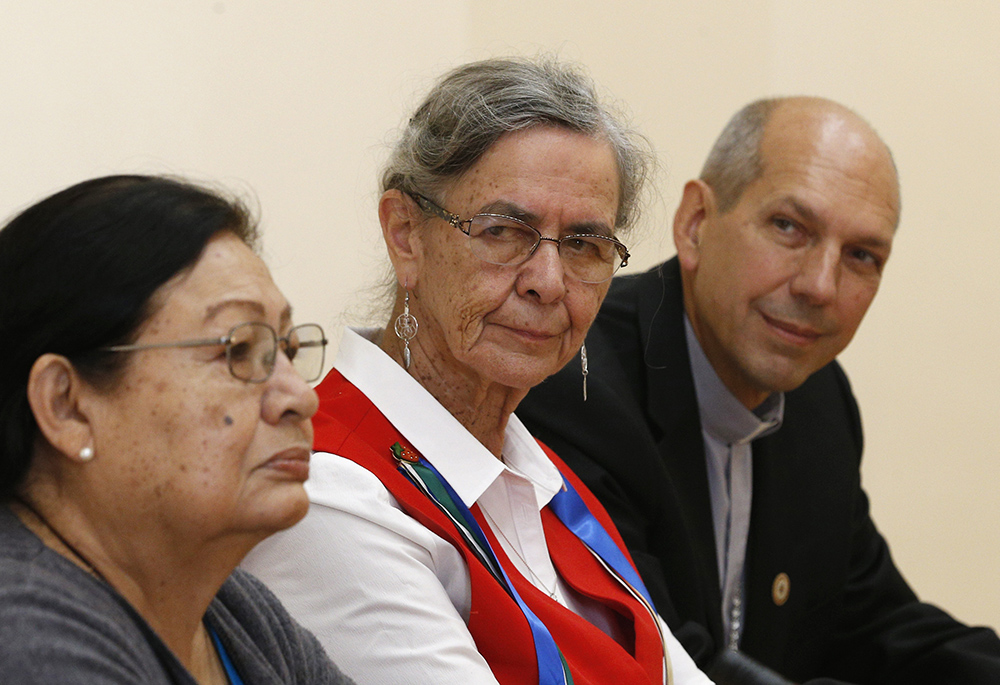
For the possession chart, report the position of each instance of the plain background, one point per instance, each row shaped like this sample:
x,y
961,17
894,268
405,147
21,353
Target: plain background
x,y
294,103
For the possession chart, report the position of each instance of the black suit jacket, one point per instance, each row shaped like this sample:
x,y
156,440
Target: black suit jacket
x,y
637,444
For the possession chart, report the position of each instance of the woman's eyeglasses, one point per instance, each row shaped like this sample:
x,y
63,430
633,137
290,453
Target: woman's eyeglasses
x,y
252,349
506,241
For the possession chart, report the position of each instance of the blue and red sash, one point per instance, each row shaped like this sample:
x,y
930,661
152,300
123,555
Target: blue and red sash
x,y
510,618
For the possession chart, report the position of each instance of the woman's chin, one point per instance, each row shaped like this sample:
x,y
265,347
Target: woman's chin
x,y
297,510
282,512
521,381
522,371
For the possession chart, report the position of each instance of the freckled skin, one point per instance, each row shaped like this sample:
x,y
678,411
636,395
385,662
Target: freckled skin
x,y
776,287
173,497
489,333
182,447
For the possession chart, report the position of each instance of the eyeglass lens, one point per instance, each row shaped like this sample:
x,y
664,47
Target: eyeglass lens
x,y
504,240
252,351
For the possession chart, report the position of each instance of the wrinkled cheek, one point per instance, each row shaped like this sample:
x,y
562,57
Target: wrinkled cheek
x,y
591,316
565,356
469,325
584,316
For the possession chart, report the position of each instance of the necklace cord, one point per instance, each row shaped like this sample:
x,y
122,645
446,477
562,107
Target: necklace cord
x,y
88,565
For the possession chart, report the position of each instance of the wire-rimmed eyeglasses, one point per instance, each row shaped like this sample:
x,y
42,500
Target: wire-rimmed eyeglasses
x,y
252,349
506,241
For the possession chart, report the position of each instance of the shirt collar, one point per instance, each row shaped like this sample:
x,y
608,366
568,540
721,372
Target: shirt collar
x,y
722,415
464,462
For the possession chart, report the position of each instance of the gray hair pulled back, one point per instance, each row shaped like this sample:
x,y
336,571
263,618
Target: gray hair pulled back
x,y
472,106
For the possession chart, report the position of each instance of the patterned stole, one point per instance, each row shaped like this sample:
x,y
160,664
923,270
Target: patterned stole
x,y
552,667
571,510
588,556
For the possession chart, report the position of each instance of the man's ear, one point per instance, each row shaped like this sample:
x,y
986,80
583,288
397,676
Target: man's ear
x,y
697,204
54,394
400,218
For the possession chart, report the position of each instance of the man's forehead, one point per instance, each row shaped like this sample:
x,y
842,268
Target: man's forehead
x,y
810,128
806,141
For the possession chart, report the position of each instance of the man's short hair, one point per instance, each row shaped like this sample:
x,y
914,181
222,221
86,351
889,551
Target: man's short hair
x,y
735,160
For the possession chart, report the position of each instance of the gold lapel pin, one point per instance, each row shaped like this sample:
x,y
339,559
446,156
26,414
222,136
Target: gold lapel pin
x,y
780,588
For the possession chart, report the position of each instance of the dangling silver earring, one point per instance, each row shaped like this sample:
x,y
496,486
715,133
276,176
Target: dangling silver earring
x,y
583,367
86,453
406,329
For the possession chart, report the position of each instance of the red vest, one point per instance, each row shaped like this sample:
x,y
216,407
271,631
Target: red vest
x,y
349,425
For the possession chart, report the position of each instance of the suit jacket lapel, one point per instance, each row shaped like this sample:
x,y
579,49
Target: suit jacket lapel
x,y
673,408
768,555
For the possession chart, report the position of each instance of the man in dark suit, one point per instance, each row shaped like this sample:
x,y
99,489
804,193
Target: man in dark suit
x,y
722,436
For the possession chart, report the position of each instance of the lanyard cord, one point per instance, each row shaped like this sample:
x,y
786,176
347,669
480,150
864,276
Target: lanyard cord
x,y
552,666
571,510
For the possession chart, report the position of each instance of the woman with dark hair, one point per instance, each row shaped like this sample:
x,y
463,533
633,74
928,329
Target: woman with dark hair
x,y
154,426
444,544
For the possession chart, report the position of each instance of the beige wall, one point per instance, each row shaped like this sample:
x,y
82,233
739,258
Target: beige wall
x,y
295,100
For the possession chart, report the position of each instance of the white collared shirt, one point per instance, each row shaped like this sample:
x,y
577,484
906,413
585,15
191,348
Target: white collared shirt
x,y
397,612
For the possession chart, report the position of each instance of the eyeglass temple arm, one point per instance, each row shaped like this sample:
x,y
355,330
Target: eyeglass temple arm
x,y
134,347
310,343
429,205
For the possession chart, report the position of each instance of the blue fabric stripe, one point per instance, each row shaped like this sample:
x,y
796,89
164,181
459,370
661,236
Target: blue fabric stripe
x,y
481,550
552,668
234,677
571,510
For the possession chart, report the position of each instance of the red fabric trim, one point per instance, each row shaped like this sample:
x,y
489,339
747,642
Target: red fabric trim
x,y
349,425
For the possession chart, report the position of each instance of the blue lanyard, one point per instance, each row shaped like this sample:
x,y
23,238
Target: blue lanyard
x,y
552,666
573,512
569,508
234,677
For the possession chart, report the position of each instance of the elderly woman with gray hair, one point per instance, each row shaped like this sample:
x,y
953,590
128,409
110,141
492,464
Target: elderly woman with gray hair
x,y
444,544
